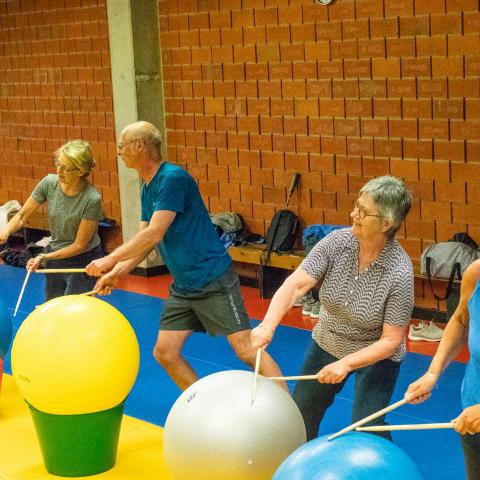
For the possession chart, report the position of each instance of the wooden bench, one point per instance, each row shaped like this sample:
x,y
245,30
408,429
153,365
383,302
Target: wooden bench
x,y
281,265
37,227
253,254
270,276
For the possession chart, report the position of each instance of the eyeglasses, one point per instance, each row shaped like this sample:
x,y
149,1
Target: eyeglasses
x,y
63,168
121,146
361,212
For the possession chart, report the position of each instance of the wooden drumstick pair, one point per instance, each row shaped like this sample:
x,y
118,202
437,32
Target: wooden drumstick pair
x,y
377,428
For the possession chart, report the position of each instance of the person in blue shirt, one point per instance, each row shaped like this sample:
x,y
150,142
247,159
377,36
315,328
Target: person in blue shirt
x,y
463,327
205,294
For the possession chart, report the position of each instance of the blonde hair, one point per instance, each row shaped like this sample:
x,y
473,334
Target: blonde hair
x,y
79,153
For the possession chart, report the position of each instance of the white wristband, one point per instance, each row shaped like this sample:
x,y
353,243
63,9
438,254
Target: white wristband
x,y
267,327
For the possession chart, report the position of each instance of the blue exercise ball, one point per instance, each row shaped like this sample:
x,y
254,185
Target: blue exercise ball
x,y
5,330
354,456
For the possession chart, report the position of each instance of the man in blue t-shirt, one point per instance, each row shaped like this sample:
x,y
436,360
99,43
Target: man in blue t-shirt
x,y
205,294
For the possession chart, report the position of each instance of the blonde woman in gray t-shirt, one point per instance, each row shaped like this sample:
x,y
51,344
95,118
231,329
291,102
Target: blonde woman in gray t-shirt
x,y
74,210
366,298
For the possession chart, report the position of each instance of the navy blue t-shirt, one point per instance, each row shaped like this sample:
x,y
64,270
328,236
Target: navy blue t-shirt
x,y
190,248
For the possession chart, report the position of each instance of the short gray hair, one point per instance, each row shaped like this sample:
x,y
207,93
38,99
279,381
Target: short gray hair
x,y
150,134
392,199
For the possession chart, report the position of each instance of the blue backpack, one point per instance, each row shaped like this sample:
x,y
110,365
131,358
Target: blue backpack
x,y
314,233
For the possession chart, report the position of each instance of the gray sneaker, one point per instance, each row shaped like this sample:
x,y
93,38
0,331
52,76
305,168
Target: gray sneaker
x,y
306,302
315,311
427,332
307,307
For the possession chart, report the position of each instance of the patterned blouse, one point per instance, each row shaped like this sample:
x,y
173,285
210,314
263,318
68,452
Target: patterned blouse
x,y
355,305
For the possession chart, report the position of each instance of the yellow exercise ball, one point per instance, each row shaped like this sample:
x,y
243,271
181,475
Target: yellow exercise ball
x,y
75,354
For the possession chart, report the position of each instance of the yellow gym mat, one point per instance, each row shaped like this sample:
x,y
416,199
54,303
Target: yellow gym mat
x,y
140,454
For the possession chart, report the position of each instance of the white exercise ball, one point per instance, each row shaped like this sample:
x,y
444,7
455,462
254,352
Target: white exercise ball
x,y
215,432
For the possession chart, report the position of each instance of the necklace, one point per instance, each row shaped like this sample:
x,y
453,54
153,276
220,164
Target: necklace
x,y
364,266
363,269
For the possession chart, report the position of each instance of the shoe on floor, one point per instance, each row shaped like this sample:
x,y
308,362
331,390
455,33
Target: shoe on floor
x,y
307,309
315,311
307,298
425,331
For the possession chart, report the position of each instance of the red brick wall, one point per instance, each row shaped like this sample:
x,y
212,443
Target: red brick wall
x,y
258,89
55,86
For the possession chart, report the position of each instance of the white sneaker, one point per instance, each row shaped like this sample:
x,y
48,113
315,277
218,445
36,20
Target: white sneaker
x,y
315,311
307,298
424,331
307,309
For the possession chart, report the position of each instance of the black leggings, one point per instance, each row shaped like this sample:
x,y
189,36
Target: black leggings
x,y
471,452
59,284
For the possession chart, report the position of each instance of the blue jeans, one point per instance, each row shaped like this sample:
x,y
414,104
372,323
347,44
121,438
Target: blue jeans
x,y
471,452
374,386
59,284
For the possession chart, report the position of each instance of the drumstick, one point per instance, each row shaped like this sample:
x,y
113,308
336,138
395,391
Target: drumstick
x,y
61,270
293,186
21,292
255,376
367,419
295,377
420,426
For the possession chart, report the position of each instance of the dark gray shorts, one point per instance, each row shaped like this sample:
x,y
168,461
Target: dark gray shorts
x,y
217,308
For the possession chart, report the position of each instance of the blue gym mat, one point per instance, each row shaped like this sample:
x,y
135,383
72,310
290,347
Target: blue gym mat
x,y
436,452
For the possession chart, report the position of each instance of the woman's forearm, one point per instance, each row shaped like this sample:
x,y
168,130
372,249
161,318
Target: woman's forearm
x,y
279,306
15,224
65,252
294,287
377,351
19,220
454,338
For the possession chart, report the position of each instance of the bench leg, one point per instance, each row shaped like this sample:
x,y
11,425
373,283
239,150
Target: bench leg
x,y
270,280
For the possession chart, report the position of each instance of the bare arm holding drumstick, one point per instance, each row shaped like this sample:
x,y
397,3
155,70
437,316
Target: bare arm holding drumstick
x,y
453,340
121,268
149,235
295,286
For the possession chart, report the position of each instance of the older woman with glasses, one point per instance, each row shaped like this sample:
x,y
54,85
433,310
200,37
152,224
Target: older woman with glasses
x,y
74,210
366,297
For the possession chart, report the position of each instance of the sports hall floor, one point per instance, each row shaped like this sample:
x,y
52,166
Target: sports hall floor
x,y
436,452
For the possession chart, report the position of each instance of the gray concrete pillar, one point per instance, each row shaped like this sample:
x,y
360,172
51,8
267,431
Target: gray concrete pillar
x,y
137,94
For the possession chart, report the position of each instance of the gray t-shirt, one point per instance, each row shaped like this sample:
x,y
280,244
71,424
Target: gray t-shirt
x,y
354,306
65,213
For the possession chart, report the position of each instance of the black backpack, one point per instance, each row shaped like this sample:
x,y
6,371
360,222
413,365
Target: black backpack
x,y
283,229
282,233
